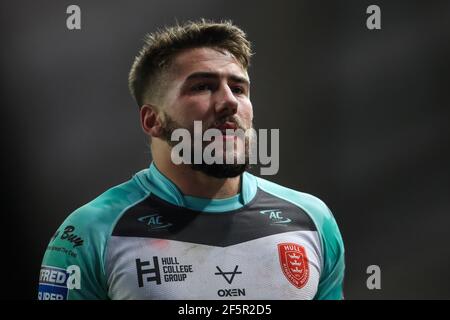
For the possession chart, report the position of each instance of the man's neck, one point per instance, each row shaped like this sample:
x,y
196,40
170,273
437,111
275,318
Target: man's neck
x,y
195,183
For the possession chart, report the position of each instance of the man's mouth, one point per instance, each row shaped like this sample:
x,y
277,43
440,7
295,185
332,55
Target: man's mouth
x,y
223,127
227,125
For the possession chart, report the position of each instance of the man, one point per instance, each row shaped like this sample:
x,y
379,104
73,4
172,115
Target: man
x,y
195,230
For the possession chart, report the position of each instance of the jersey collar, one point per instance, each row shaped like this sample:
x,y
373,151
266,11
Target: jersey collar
x,y
157,183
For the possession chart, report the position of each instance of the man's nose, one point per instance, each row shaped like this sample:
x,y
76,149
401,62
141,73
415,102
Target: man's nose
x,y
226,102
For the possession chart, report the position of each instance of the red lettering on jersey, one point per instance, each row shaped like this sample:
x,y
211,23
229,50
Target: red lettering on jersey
x,y
294,263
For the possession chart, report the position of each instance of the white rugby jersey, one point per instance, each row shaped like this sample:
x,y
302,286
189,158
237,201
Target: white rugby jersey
x,y
144,239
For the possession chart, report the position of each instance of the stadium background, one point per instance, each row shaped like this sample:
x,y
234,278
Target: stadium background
x,y
363,118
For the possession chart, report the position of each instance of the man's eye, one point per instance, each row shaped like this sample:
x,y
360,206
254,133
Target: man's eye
x,y
238,90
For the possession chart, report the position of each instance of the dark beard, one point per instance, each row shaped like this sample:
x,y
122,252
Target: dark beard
x,y
212,170
221,170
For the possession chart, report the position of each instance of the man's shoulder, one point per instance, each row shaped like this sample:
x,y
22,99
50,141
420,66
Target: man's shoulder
x,y
327,227
81,240
105,209
313,205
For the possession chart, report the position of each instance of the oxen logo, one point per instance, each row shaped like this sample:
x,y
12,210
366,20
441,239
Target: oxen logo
x,y
294,263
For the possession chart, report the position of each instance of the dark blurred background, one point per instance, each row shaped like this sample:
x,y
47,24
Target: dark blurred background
x,y
363,118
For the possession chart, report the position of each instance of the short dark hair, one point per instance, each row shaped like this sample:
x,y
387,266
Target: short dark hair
x,y
160,48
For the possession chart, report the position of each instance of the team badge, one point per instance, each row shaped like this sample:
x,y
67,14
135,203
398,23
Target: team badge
x,y
294,263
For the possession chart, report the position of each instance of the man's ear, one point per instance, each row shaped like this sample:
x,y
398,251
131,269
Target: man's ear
x,y
151,120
